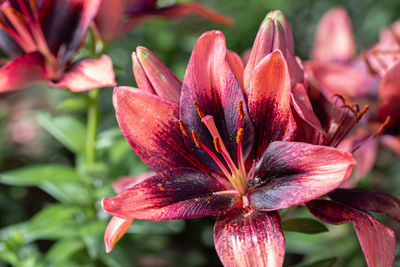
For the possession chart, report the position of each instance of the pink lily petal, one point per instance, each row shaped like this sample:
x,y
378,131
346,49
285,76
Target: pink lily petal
x,y
162,80
249,238
150,125
22,71
109,17
393,142
367,200
341,79
334,39
309,128
175,11
211,83
389,95
126,182
269,102
236,64
65,24
116,228
293,173
377,241
177,194
88,74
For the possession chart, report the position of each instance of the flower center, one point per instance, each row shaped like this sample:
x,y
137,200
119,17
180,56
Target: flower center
x,y
234,172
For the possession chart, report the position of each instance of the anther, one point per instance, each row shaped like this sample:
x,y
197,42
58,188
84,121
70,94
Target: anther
x,y
239,136
217,145
196,139
383,126
362,112
339,96
200,111
183,128
240,109
349,108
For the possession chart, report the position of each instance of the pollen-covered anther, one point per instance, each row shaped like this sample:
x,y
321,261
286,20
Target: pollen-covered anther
x,y
240,109
350,107
200,111
239,136
383,126
196,139
183,128
217,145
362,112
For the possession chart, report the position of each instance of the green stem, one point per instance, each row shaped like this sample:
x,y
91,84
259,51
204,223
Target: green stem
x,y
93,117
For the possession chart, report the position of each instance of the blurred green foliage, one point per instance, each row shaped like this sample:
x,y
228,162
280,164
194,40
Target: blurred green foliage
x,y
50,200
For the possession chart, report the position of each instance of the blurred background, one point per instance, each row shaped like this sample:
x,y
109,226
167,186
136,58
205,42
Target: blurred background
x,y
49,218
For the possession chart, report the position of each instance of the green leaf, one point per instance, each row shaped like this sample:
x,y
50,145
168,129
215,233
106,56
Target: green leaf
x,y
62,251
61,182
304,225
321,263
92,234
66,129
54,222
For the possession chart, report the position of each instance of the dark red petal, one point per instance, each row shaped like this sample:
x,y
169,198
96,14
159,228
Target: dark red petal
x,y
109,17
236,64
334,39
8,45
88,74
293,173
249,238
116,228
65,24
177,194
377,241
367,200
22,71
341,79
126,182
150,125
309,128
389,95
174,11
269,102
210,81
163,81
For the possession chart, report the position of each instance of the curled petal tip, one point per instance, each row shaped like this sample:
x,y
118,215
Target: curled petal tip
x,y
115,230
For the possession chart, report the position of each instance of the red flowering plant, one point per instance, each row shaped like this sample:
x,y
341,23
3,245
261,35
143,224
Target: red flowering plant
x,y
110,22
42,37
338,78
222,144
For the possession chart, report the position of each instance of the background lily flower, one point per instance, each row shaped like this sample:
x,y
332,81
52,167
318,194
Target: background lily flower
x,y
42,37
214,155
110,22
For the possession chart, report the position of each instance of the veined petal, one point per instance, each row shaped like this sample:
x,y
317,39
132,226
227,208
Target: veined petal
x,y
211,83
249,238
116,228
177,194
341,79
150,125
309,128
293,173
65,24
22,71
269,102
377,241
236,64
88,74
126,182
162,79
334,39
389,95
367,200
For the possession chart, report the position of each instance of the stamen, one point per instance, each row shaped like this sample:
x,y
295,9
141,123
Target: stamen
x,y
196,139
183,128
217,145
383,126
363,111
200,111
240,110
239,136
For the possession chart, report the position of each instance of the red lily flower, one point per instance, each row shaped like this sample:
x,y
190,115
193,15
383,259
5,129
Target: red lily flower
x,y
333,70
110,24
41,37
222,151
